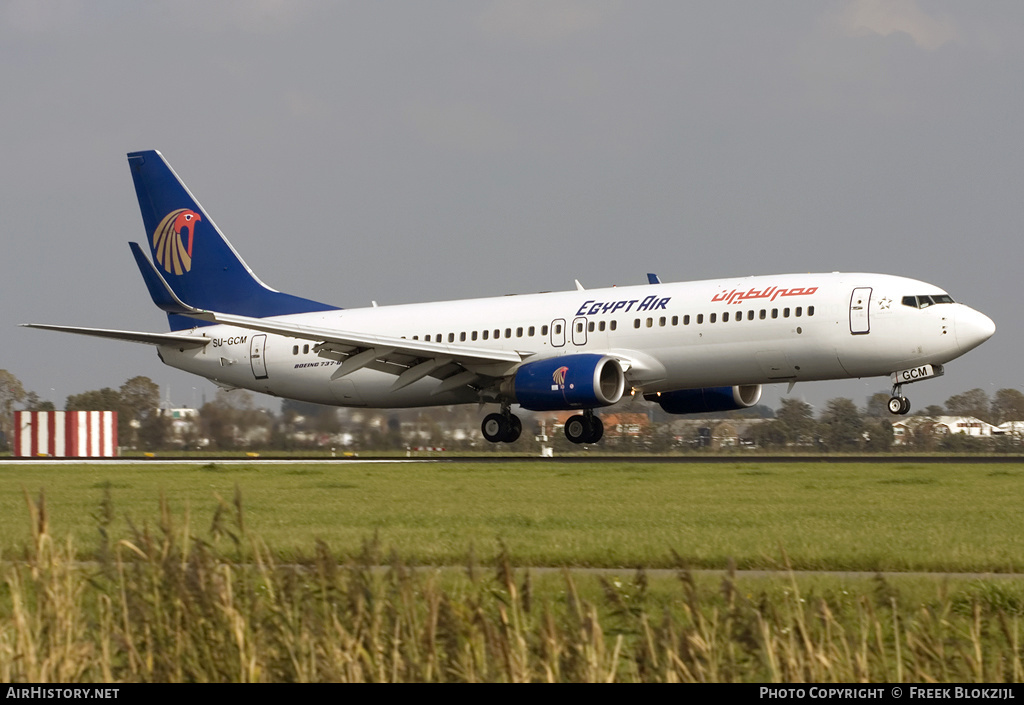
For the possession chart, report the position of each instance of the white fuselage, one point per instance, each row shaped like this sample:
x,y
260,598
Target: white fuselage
x,y
753,330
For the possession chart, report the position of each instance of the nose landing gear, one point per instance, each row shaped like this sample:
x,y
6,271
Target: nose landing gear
x,y
898,404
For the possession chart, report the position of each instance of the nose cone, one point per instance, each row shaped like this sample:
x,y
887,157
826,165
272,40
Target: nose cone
x,y
972,328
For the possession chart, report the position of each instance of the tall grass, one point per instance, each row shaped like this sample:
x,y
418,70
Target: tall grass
x,y
173,603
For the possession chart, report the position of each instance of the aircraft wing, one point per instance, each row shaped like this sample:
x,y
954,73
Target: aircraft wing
x,y
186,341
409,360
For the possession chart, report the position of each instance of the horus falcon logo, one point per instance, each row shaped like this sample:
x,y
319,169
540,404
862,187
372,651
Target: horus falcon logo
x,y
558,377
171,252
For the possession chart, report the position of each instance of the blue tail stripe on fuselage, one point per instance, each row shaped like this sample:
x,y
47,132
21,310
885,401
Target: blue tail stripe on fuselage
x,y
193,256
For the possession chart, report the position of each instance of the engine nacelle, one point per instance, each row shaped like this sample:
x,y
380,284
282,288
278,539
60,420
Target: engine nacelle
x,y
705,399
569,382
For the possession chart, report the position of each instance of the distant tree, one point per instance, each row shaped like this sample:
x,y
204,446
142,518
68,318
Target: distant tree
x,y
972,403
931,410
105,399
878,405
770,434
1007,405
140,397
878,434
795,420
154,431
841,425
34,403
231,420
11,392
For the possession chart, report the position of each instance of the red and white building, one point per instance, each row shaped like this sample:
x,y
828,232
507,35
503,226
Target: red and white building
x,y
65,434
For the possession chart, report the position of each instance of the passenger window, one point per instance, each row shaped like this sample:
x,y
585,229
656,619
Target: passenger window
x,y
725,317
799,311
750,315
700,318
295,350
763,314
650,322
712,318
508,332
305,350
451,337
810,310
675,320
600,326
686,320
636,322
473,336
785,313
614,325
558,329
775,313
543,330
530,331
462,337
590,327
519,332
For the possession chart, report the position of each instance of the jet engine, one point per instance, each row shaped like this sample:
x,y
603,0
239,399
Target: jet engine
x,y
582,381
705,399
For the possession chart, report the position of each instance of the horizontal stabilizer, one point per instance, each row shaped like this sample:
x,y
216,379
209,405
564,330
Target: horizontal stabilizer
x,y
159,290
131,336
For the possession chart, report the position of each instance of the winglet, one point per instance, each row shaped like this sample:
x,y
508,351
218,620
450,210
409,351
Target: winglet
x,y
653,278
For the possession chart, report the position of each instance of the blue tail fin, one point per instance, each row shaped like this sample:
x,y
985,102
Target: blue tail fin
x,y
193,256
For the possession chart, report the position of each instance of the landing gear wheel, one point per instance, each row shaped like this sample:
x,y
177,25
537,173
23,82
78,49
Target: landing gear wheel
x,y
899,405
584,428
514,430
494,428
576,429
498,428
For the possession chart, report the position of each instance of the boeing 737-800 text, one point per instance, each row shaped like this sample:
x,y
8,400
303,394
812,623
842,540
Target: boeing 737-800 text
x,y
690,347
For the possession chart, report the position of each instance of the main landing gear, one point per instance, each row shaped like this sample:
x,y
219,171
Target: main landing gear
x,y
898,404
502,427
584,428
505,427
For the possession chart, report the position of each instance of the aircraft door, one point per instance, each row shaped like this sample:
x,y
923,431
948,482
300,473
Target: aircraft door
x,y
257,356
558,332
579,331
860,307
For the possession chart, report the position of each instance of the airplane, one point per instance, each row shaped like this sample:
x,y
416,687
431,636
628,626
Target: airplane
x,y
690,347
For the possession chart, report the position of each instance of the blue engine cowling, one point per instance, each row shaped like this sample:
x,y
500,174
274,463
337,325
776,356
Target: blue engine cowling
x,y
569,382
696,401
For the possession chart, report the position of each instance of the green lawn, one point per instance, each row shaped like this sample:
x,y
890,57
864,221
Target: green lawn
x,y
830,516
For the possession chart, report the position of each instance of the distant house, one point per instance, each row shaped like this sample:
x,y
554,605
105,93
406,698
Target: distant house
x,y
905,428
1013,428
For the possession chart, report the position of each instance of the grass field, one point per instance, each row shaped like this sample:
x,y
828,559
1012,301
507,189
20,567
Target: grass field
x,y
828,516
171,573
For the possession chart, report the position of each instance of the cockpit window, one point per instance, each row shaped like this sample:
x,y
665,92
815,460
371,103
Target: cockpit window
x,y
924,301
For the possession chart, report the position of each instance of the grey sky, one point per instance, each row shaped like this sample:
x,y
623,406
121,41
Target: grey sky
x,y
413,151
